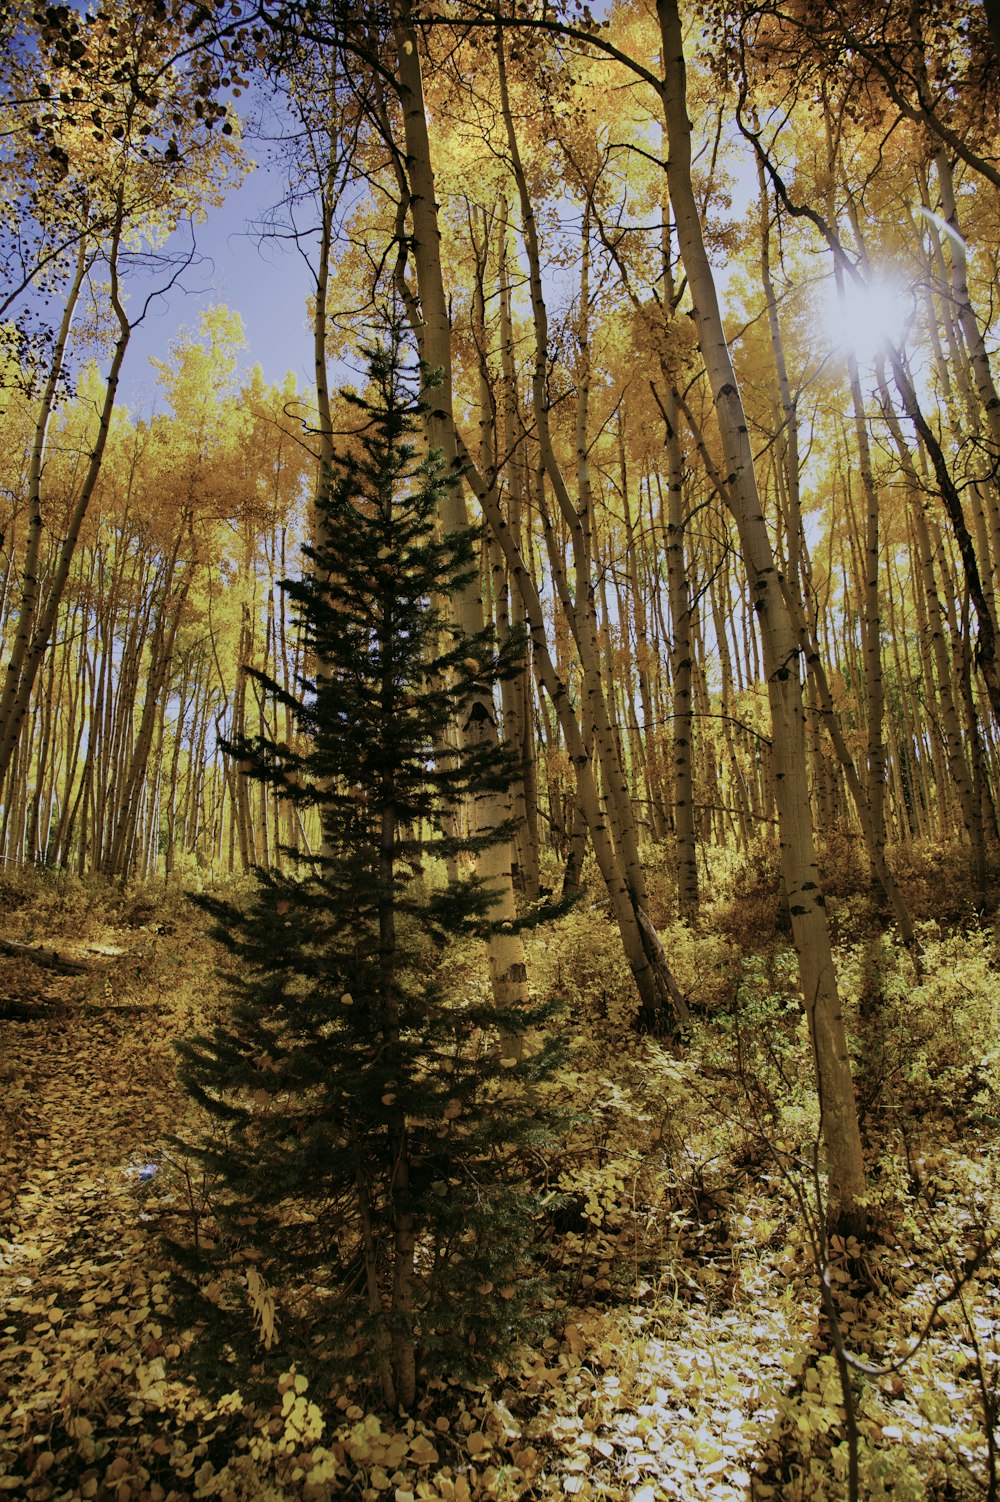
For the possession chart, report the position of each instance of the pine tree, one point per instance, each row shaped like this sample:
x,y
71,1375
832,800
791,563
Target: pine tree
x,y
369,1124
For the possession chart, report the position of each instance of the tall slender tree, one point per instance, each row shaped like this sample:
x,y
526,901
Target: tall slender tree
x,y
374,1120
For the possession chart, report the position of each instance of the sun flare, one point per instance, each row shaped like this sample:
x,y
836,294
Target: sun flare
x,y
864,318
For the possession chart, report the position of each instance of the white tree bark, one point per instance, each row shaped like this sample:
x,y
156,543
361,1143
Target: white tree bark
x,y
508,970
838,1109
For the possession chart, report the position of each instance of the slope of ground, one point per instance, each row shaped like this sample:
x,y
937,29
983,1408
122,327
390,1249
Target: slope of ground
x,y
689,1356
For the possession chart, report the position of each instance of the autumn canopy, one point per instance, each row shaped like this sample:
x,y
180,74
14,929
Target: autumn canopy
x,y
570,694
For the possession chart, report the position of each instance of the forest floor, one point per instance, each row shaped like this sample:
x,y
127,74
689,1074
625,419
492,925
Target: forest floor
x,y
689,1355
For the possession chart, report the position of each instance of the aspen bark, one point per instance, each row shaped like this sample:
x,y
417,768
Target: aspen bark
x,y
512,440
579,608
682,721
838,1109
653,980
119,858
508,968
524,865
19,674
986,633
37,632
646,737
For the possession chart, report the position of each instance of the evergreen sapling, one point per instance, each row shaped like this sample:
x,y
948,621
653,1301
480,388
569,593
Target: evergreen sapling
x,y
370,1130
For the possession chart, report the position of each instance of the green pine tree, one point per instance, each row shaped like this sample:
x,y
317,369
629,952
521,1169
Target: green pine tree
x,y
369,1131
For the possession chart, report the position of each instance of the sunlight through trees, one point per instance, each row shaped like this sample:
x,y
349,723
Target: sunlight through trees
x,y
703,305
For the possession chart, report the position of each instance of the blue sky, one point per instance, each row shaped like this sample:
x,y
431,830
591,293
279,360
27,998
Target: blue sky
x,y
263,280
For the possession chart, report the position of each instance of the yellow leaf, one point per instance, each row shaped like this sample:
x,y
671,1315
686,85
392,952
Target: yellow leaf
x,y
422,1452
262,1302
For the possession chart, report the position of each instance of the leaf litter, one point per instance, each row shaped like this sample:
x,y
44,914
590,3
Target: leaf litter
x,y
688,1357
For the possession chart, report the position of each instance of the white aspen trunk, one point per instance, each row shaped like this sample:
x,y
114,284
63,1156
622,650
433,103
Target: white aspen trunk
x,y
838,1108
962,302
580,610
17,689
871,619
524,865
652,977
682,723
970,363
121,848
519,707
14,699
508,968
644,594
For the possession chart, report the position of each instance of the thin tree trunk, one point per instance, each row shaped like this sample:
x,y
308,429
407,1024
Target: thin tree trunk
x,y
682,718
838,1109
508,967
14,700
31,643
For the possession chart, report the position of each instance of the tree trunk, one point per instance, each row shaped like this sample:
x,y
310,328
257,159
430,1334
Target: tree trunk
x,y
682,721
508,968
838,1109
33,635
13,701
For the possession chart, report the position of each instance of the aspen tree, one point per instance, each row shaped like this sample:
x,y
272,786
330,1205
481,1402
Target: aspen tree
x,y
508,968
118,190
682,719
838,1108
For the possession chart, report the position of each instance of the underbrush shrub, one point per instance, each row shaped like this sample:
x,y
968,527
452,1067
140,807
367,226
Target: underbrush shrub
x,y
165,905
733,872
927,1046
843,863
937,880
19,886
623,1172
749,906
580,960
47,903
916,1319
44,903
633,1160
760,1041
704,962
806,1455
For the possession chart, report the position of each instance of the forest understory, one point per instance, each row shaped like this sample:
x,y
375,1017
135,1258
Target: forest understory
x,y
692,1351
